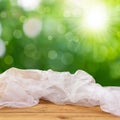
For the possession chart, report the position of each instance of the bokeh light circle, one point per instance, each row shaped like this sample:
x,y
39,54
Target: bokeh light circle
x,y
2,48
32,27
0,29
52,54
29,4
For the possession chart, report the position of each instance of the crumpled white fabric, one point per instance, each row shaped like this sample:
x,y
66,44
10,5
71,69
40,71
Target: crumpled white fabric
x,y
24,88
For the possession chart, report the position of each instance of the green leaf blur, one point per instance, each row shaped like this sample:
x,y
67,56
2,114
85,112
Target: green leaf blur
x,y
56,39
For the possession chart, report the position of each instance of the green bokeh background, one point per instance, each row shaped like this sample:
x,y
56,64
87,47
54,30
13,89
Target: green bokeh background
x,y
61,45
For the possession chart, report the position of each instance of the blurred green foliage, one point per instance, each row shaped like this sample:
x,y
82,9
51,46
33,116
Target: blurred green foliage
x,y
61,45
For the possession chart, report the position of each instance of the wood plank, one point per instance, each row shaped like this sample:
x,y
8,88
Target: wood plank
x,y
54,116
49,111
49,108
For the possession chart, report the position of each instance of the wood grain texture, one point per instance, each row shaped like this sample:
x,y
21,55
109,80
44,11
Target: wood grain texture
x,y
49,111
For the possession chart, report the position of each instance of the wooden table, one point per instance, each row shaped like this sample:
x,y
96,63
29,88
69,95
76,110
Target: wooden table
x,y
49,111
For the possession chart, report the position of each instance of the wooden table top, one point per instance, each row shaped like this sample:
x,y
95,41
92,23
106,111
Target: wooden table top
x,y
49,111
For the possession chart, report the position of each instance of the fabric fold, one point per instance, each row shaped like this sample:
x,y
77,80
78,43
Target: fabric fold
x,y
24,88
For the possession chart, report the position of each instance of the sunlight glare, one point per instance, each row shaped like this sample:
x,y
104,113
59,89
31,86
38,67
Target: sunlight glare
x,y
96,17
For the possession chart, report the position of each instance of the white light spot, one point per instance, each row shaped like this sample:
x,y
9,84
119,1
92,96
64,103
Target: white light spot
x,y
32,27
52,54
29,4
2,48
96,17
